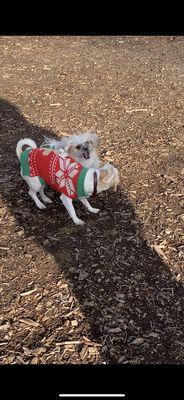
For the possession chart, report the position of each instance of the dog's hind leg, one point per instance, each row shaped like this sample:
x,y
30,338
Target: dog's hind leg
x,y
86,204
39,204
67,202
43,196
34,187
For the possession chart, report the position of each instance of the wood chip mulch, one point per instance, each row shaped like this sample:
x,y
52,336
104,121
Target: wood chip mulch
x,y
112,290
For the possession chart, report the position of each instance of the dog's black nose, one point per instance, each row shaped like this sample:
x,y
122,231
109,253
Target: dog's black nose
x,y
85,148
85,152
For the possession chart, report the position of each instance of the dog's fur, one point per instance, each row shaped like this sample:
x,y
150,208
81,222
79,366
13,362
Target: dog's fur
x,y
107,177
81,147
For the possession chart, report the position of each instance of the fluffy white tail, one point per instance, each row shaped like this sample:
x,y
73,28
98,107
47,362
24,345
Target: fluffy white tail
x,y
22,142
52,143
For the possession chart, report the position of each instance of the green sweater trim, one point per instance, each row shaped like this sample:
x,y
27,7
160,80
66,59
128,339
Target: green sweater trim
x,y
25,165
24,162
80,184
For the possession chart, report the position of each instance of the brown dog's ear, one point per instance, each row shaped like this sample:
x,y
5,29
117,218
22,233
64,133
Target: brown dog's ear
x,y
103,176
106,175
69,149
110,177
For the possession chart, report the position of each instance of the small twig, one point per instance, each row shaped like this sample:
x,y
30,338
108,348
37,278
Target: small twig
x,y
28,293
137,110
29,322
89,343
71,312
68,342
177,194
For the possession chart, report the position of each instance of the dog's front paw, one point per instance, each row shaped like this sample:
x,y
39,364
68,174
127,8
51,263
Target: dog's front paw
x,y
47,200
79,222
41,206
95,210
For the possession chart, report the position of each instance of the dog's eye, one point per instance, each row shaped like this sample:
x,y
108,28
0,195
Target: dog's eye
x,y
78,147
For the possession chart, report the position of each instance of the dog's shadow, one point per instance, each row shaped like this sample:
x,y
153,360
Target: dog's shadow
x,y
125,291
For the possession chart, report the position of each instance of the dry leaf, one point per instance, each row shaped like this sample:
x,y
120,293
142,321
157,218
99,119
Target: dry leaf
x,y
138,341
9,359
170,178
4,327
159,251
34,360
114,330
74,322
153,334
39,351
84,352
27,351
83,275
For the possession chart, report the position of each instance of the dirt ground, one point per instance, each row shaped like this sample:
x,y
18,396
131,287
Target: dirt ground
x,y
110,291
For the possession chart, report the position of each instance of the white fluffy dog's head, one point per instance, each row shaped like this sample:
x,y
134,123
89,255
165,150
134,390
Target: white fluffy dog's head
x,y
82,147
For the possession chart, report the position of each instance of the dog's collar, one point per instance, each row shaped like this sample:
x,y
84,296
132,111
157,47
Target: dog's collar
x,y
95,183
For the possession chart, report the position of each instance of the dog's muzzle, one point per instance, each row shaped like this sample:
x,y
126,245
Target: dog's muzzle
x,y
86,153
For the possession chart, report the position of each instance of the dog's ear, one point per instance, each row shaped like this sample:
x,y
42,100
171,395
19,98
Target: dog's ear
x,y
109,176
70,147
103,176
106,174
94,140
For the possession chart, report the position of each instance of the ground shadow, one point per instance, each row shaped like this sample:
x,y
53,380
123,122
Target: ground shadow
x,y
126,292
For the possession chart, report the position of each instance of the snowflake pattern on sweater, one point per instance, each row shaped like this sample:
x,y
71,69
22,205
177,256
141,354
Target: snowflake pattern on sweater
x,y
66,173
57,170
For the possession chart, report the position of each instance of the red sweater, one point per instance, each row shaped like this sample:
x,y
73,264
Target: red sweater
x,y
59,171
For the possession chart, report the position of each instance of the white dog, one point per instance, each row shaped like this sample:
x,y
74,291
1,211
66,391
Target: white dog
x,y
45,166
81,147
